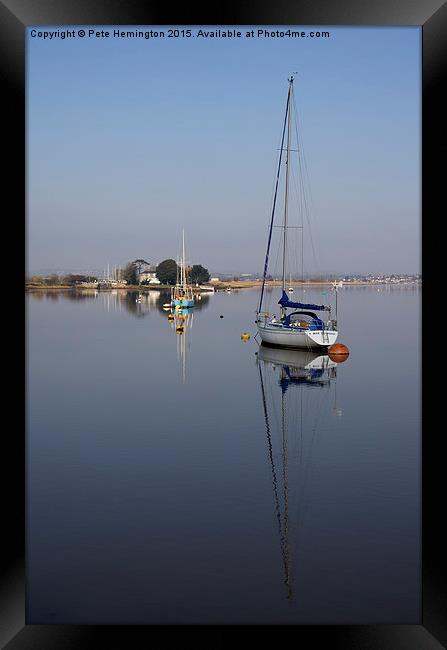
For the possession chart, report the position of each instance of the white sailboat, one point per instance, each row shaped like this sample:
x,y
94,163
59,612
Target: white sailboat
x,y
182,294
300,328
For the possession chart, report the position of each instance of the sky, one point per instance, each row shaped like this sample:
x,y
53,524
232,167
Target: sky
x,y
129,140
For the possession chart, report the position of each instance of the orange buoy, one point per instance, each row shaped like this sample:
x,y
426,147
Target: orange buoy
x,y
338,352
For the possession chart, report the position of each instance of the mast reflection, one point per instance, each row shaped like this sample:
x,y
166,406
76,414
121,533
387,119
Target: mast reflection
x,y
180,320
295,390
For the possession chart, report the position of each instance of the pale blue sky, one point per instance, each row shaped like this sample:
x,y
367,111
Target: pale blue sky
x,y
129,140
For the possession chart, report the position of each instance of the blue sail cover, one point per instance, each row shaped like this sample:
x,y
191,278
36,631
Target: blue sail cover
x,y
285,302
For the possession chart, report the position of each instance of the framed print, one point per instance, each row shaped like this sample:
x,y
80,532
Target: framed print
x,y
171,480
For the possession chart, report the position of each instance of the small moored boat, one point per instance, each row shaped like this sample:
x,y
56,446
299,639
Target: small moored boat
x,y
182,293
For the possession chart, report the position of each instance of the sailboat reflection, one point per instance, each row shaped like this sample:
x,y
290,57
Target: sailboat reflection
x,y
181,320
295,390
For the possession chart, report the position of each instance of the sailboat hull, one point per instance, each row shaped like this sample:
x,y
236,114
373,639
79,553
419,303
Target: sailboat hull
x,y
288,337
182,302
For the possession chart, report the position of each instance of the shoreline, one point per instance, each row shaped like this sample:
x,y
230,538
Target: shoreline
x,y
221,286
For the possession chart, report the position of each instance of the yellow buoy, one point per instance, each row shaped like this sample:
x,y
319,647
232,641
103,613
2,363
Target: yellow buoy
x,y
245,336
170,316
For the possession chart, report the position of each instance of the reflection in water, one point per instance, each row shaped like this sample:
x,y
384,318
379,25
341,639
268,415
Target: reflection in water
x,y
135,303
181,320
295,388
285,514
164,297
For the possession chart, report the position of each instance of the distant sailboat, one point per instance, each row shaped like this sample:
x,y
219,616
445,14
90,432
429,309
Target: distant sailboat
x,y
301,328
182,294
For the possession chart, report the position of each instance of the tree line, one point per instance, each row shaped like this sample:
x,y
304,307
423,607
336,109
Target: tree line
x,y
61,280
167,272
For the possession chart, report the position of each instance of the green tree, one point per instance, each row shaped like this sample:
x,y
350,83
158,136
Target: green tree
x,y
166,272
130,273
199,274
139,265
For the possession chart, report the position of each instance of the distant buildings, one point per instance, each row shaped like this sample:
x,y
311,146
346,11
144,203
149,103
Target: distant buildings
x,y
148,276
384,279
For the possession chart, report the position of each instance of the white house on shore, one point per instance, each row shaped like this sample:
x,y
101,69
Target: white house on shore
x,y
149,276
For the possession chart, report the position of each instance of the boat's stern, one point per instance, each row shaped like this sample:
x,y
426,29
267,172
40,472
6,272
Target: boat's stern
x,y
323,338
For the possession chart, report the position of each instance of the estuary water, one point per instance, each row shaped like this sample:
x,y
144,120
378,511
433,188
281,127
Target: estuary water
x,y
191,477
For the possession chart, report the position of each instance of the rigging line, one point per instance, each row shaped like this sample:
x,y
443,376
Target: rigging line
x,y
299,455
302,164
306,172
275,412
285,490
306,213
302,473
299,197
275,269
274,203
301,427
296,118
299,129
299,192
272,193
288,259
295,267
300,145
308,471
272,465
302,238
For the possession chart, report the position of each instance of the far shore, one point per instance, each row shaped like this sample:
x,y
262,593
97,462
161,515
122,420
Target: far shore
x,y
218,286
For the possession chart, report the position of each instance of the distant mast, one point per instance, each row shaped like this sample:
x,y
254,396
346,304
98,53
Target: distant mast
x,y
181,294
183,260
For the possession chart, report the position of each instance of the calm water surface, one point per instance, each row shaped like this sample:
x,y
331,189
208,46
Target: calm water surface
x,y
196,478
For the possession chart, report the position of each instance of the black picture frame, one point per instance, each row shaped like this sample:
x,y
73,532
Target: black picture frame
x,y
431,634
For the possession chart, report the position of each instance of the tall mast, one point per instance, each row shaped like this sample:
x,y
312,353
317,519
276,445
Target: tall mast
x,y
183,260
274,205
286,197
